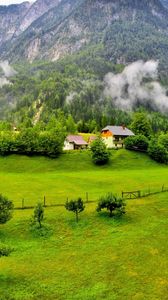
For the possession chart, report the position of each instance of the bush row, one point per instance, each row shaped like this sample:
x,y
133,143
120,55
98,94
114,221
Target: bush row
x,y
30,142
157,148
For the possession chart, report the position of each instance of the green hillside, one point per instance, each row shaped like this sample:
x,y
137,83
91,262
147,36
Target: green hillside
x,y
98,258
73,174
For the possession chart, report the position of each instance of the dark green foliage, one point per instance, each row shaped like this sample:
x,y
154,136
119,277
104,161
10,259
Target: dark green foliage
x,y
26,141
100,154
7,142
30,141
157,152
70,125
39,214
76,206
141,124
112,203
136,142
6,208
163,140
45,231
50,143
5,250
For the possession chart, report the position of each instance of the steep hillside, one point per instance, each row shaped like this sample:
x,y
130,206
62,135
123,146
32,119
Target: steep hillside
x,y
10,18
15,19
40,36
127,30
36,10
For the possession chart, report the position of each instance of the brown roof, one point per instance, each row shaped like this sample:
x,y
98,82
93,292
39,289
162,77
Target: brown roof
x,y
76,139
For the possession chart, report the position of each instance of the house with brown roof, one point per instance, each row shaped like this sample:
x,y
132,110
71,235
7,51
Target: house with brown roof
x,y
113,136
74,142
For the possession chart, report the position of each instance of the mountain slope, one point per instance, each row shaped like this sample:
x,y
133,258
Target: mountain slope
x,y
127,30
37,9
10,18
15,19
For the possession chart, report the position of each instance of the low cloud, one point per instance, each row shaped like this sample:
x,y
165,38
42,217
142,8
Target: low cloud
x,y
137,84
7,69
8,72
70,97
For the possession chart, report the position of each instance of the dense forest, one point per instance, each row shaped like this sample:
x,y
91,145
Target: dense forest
x,y
73,88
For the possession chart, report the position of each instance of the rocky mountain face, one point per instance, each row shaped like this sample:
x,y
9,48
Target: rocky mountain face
x,y
10,18
16,18
125,30
36,10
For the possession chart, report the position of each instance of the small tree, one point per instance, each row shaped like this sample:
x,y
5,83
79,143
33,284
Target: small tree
x,y
39,214
100,154
6,208
112,203
76,206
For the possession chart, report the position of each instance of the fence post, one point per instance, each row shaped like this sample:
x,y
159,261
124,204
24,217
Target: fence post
x,y
87,197
44,201
139,194
22,203
122,194
162,187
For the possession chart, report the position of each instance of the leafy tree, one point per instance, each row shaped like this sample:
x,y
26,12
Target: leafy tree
x,y
27,141
112,203
51,143
136,142
6,208
76,206
70,125
39,214
141,124
100,154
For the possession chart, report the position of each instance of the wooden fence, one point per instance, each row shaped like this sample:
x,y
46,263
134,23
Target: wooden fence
x,y
88,198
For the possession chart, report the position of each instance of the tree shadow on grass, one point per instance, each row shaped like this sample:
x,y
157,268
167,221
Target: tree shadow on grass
x,y
14,287
115,220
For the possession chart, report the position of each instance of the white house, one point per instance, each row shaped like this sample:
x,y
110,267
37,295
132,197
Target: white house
x,y
74,142
114,136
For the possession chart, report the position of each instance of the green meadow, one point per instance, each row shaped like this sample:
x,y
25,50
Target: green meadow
x,y
98,258
73,175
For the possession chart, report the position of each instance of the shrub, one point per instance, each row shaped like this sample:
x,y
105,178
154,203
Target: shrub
x,y
6,207
136,142
5,250
76,206
100,154
157,152
112,203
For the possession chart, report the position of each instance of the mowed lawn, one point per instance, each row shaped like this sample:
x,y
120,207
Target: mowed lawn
x,y
73,175
98,258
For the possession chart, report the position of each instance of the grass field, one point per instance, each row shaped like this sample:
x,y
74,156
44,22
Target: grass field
x,y
99,258
74,175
